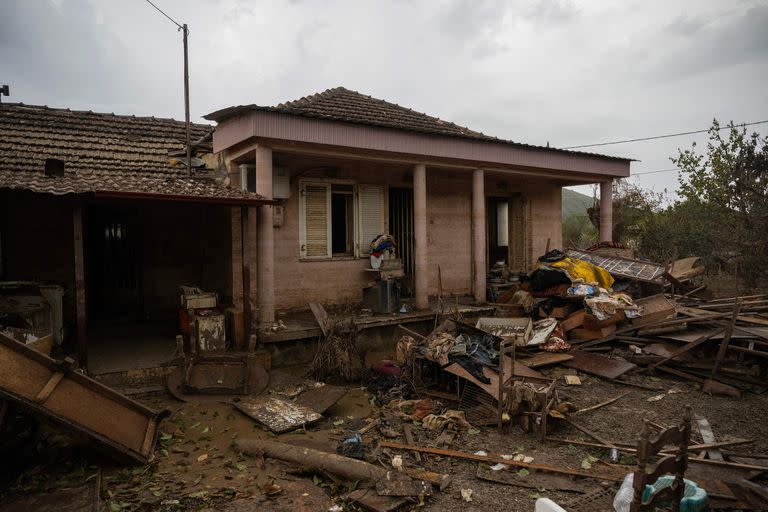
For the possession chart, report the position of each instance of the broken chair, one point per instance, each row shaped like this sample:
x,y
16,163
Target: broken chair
x,y
675,464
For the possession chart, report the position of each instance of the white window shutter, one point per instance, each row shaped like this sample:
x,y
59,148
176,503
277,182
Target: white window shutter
x,y
314,237
370,215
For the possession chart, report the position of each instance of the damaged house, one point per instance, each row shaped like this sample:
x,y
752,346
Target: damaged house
x,y
103,206
343,167
279,210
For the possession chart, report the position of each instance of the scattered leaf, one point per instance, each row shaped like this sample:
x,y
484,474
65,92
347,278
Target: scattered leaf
x,y
338,422
202,458
523,472
473,431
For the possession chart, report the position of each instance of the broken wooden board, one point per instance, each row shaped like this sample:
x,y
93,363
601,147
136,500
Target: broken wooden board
x,y
740,333
597,364
277,415
321,398
41,385
533,480
705,429
369,499
666,350
492,388
545,359
320,316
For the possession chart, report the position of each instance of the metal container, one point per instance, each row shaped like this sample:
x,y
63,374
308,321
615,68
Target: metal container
x,y
382,297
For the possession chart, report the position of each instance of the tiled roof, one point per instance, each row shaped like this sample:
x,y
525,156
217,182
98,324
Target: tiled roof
x,y
340,104
103,153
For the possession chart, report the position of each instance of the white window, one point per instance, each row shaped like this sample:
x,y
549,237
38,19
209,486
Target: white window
x,y
339,219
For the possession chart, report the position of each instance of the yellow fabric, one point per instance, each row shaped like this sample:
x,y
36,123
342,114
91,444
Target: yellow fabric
x,y
584,271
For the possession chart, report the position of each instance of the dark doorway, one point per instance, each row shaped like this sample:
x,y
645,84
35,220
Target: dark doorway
x,y
342,220
401,227
498,230
113,263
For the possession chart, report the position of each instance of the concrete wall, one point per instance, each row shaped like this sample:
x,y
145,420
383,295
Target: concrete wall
x,y
449,233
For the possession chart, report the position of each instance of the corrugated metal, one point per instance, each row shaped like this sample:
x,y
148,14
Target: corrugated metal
x,y
297,129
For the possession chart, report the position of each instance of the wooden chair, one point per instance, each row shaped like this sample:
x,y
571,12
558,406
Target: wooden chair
x,y
648,472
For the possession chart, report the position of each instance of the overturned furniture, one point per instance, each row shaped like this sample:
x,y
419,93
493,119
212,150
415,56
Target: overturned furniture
x,y
484,378
205,366
52,390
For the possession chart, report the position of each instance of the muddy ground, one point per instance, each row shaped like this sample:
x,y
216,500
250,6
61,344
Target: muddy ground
x,y
196,468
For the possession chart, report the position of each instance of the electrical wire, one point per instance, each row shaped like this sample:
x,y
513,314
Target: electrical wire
x,y
654,172
658,136
163,13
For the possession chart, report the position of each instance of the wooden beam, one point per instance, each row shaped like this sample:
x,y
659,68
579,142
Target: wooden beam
x,y
726,339
81,344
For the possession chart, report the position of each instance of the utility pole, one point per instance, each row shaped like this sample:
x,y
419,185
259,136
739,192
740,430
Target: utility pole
x,y
186,101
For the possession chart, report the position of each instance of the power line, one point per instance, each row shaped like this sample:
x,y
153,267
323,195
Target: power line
x,y
163,13
657,136
654,172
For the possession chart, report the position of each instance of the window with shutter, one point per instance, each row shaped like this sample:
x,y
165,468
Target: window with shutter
x,y
314,217
370,215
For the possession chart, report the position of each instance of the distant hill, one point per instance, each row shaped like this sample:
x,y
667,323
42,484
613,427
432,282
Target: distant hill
x,y
575,203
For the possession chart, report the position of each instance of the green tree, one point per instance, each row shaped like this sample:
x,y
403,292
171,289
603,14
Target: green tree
x,y
731,178
632,209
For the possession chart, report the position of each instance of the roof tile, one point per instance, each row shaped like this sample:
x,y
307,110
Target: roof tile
x,y
102,153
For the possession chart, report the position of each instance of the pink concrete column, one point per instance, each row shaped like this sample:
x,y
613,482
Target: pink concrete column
x,y
606,211
478,234
265,274
420,235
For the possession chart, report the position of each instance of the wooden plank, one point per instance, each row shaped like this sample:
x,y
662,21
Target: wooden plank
x,y
683,350
321,316
709,437
77,224
408,433
49,386
551,482
600,365
544,359
615,476
726,340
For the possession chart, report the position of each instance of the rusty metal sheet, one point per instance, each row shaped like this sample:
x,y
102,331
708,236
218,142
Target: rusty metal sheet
x,y
51,389
276,414
598,364
640,270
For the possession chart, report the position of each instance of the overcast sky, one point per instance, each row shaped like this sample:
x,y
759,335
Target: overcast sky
x,y
563,72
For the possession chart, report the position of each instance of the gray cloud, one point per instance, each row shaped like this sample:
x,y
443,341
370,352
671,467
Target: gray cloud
x,y
529,70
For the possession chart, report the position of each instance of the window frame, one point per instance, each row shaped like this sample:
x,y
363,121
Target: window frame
x,y
358,250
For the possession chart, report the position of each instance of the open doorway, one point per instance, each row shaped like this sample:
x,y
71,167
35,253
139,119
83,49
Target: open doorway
x,y
509,232
401,227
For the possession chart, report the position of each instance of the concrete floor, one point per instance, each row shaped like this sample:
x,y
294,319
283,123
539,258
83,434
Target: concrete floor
x,y
117,348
